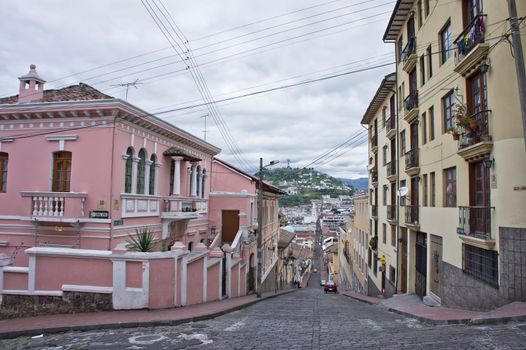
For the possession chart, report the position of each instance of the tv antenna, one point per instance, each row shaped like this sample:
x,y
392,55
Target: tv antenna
x,y
204,116
127,85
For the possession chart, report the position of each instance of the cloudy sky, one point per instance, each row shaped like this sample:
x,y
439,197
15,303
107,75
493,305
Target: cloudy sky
x,y
239,47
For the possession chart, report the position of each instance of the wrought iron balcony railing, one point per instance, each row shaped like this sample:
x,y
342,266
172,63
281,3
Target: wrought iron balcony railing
x,y
411,214
478,131
411,158
411,101
472,35
391,168
475,221
409,49
390,124
374,210
391,212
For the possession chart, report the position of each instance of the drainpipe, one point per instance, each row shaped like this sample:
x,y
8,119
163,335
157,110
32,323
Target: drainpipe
x,y
111,182
397,183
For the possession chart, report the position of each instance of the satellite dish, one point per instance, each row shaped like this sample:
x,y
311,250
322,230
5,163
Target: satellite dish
x,y
402,192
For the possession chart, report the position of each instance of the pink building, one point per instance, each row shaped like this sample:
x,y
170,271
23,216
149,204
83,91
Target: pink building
x,y
81,171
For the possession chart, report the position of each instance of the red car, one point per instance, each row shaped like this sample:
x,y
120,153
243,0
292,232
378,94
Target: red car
x,y
330,286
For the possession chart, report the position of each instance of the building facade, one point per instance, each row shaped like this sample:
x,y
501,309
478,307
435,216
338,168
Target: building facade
x,y
380,118
461,160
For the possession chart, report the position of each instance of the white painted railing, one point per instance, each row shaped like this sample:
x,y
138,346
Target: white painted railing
x,y
56,204
186,206
139,205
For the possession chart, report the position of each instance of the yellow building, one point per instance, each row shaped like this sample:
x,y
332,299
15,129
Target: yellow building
x,y
359,243
381,119
461,159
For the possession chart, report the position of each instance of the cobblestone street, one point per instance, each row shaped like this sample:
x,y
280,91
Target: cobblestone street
x,y
305,319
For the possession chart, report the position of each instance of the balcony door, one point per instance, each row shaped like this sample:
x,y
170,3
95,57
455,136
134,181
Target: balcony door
x,y
479,197
230,225
410,28
414,199
472,8
61,171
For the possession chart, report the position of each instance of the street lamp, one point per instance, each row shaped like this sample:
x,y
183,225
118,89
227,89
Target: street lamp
x,y
260,223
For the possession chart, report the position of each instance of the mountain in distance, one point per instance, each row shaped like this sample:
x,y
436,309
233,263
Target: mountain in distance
x,y
303,185
360,183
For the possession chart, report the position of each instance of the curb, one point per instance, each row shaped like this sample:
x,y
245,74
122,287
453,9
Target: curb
x,y
428,320
360,299
153,323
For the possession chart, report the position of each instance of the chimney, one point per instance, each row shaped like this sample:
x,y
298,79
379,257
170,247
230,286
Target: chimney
x,y
31,86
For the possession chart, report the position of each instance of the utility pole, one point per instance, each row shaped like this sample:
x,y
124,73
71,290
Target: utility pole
x,y
519,61
260,228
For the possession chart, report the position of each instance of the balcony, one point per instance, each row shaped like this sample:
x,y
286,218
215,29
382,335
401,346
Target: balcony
x,y
470,48
477,143
374,211
412,166
374,179
390,127
475,226
374,143
139,205
67,207
411,107
391,170
391,214
411,217
408,56
183,208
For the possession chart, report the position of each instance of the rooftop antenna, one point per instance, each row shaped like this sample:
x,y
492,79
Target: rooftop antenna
x,y
204,116
127,85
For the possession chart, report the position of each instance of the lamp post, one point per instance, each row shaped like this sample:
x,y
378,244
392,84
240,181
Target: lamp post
x,y
260,224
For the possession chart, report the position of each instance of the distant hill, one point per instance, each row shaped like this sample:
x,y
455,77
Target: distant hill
x,y
303,185
361,183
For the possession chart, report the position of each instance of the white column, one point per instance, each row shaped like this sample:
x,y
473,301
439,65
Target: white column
x,y
147,177
135,168
198,182
157,166
193,186
176,190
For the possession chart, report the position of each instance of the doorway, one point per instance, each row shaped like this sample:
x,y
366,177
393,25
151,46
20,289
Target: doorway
x,y
479,199
403,263
230,225
251,273
435,265
421,264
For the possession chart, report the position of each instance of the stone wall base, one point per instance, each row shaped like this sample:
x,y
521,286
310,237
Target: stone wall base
x,y
70,302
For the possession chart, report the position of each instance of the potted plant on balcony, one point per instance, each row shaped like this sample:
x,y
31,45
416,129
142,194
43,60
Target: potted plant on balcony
x,y
373,243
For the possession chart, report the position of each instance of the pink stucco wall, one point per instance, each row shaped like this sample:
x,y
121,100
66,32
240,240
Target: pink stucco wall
x,y
134,274
194,287
213,283
52,272
161,283
15,281
234,282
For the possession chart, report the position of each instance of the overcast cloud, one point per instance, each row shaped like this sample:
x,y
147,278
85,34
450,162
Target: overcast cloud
x,y
65,38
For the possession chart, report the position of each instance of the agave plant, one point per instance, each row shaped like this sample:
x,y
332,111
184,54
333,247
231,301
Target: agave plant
x,y
143,241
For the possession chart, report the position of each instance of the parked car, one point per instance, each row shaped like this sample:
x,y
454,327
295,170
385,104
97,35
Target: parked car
x,y
322,283
330,286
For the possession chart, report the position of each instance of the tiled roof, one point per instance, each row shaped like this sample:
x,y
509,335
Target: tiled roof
x,y
80,92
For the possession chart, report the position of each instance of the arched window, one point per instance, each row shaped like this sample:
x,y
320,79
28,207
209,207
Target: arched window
x,y
203,184
3,171
141,171
198,181
61,171
190,246
128,171
151,185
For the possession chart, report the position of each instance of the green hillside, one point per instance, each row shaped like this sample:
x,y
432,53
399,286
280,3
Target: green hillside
x,y
309,184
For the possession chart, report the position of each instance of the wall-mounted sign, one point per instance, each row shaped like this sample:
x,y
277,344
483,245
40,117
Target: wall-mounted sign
x,y
101,205
99,214
119,222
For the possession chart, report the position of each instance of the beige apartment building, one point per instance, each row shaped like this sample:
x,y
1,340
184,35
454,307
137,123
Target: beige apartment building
x,y
460,162
353,245
382,249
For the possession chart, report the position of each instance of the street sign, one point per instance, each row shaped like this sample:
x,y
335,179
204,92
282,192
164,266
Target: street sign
x,y
119,222
99,214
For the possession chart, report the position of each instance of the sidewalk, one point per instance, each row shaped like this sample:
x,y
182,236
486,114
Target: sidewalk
x,y
29,326
411,305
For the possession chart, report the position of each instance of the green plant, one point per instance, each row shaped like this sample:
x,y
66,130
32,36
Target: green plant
x,y
143,241
373,242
